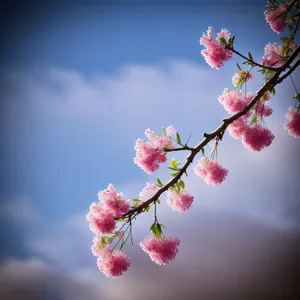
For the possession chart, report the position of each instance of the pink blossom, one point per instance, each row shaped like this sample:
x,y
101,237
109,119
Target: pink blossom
x,y
148,157
233,101
211,171
113,202
273,56
276,18
148,191
262,109
245,75
293,124
113,263
150,154
257,137
161,141
97,247
180,202
161,250
216,53
170,131
101,220
238,127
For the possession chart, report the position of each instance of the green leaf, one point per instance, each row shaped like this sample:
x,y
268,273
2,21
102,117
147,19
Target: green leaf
x,y
156,229
273,91
253,120
240,69
163,130
297,97
203,151
173,163
223,41
147,208
159,182
174,174
158,201
177,162
181,183
136,200
232,40
178,138
173,169
240,81
250,56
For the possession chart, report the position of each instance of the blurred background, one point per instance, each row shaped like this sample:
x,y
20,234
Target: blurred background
x,y
80,81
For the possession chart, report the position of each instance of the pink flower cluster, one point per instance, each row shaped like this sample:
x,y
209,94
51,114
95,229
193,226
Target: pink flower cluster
x,y
112,263
293,124
277,18
161,250
273,56
234,101
101,221
258,137
245,75
254,137
180,201
149,154
112,205
238,127
263,110
211,171
216,53
148,191
113,202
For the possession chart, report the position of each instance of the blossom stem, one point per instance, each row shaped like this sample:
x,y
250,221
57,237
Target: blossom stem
x,y
250,60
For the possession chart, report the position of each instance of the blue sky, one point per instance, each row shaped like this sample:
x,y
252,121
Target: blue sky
x,y
80,82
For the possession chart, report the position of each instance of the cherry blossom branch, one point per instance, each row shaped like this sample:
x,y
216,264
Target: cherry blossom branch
x,y
218,133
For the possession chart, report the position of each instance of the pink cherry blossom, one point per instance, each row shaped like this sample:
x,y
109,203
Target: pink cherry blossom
x,y
113,263
161,250
238,127
170,131
148,157
101,220
148,191
161,141
277,18
258,137
293,124
180,202
245,75
274,56
216,53
149,154
233,101
211,171
262,109
97,247
113,202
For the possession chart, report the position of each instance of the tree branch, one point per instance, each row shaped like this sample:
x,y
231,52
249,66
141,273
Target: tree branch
x,y
270,84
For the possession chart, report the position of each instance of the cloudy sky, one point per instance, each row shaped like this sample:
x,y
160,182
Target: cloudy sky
x,y
80,82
